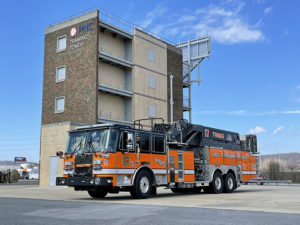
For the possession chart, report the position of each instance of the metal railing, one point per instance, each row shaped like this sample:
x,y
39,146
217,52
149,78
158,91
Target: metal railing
x,y
126,25
111,115
186,102
115,20
113,85
262,182
109,52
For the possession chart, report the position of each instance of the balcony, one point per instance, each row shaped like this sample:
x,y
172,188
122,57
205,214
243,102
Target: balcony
x,y
186,105
115,30
113,118
107,57
114,90
185,84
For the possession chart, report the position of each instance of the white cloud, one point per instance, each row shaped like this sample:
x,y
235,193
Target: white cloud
x,y
157,29
278,129
298,87
152,15
268,10
246,113
257,130
259,2
186,18
291,112
286,33
224,23
235,112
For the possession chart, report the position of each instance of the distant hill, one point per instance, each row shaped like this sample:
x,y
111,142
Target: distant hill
x,y
8,162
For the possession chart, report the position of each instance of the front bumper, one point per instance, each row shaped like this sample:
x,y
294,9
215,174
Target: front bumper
x,y
84,181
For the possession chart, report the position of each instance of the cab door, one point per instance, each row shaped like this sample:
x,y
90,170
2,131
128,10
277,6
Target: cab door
x,y
126,155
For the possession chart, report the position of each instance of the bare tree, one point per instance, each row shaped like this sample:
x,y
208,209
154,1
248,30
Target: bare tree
x,y
274,170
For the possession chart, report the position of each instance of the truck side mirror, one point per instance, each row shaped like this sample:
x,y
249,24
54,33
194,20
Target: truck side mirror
x,y
129,144
59,154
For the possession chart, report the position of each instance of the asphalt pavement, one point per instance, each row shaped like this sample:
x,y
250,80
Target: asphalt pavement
x,y
34,211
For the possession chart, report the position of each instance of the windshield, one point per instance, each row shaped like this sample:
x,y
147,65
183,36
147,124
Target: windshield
x,y
104,140
76,142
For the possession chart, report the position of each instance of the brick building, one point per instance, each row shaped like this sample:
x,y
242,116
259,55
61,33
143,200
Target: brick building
x,y
95,72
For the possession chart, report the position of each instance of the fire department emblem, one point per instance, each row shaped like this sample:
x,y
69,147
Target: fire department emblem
x,y
125,160
73,31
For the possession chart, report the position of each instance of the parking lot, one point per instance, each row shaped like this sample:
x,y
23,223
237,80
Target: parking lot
x,y
264,204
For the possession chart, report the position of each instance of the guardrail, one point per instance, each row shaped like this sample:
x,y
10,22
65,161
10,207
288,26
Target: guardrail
x,y
262,182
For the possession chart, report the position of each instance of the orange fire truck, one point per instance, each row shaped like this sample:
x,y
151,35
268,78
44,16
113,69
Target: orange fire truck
x,y
108,158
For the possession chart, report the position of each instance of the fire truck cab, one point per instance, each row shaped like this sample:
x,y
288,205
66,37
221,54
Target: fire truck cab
x,y
108,158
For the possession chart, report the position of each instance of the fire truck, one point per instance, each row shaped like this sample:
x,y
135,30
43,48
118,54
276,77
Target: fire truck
x,y
184,157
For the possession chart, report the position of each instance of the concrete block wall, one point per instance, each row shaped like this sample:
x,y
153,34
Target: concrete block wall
x,y
142,69
53,139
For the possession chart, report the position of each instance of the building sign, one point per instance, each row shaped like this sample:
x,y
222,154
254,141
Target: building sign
x,y
79,41
20,159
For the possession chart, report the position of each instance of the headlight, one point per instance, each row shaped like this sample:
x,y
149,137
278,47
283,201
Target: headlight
x,y
97,162
69,163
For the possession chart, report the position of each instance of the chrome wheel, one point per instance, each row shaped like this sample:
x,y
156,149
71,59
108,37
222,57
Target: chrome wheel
x,y
144,185
218,183
230,183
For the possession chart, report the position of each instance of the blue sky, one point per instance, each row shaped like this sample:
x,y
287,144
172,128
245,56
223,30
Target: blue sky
x,y
251,81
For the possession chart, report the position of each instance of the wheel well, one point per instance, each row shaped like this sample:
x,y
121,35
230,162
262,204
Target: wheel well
x,y
218,170
231,171
147,169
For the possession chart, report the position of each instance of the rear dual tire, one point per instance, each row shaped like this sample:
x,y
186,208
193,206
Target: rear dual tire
x,y
230,183
217,184
220,184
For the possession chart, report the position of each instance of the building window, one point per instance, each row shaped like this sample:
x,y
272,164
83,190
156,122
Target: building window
x,y
59,104
151,55
61,43
152,82
152,111
60,73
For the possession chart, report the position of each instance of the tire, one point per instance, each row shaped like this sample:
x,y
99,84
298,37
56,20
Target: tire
x,y
142,185
229,183
98,194
217,185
